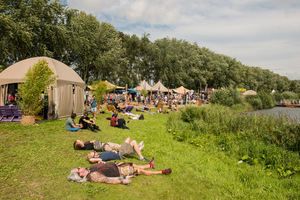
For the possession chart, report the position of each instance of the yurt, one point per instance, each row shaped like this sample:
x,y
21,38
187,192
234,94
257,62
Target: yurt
x,y
64,97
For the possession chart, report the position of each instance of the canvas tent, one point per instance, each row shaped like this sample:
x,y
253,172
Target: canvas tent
x,y
142,85
159,87
181,90
64,97
249,92
109,86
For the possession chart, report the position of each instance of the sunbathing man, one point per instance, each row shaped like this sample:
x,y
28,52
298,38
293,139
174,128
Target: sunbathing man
x,y
113,173
127,148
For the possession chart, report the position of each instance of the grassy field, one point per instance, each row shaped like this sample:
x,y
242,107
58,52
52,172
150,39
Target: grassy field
x,y
36,160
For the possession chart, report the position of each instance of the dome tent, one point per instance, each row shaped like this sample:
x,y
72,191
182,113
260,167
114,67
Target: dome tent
x,y
65,96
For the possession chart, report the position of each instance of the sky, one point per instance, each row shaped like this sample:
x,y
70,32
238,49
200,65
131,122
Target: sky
x,y
258,33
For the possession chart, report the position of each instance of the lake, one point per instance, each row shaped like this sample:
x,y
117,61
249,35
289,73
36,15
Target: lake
x,y
292,113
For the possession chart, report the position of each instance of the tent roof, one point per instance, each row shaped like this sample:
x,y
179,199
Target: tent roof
x,y
110,85
181,90
159,87
16,72
143,85
249,92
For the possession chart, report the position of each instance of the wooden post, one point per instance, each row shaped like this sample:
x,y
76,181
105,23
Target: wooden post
x,y
126,94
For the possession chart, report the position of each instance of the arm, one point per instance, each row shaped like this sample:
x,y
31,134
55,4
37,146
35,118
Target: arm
x,y
100,178
93,160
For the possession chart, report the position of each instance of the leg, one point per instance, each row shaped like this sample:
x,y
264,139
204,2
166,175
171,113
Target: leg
x,y
136,148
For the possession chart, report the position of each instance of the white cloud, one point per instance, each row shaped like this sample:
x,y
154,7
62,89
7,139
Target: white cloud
x,y
263,33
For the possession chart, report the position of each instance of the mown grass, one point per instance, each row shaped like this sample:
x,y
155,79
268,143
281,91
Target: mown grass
x,y
36,160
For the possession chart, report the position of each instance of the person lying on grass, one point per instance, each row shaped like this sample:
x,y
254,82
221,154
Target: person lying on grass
x,y
127,148
71,125
113,173
87,122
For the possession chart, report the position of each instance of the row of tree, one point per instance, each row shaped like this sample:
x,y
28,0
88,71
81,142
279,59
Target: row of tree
x,y
97,51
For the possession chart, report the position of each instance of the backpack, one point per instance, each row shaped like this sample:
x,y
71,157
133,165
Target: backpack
x,y
98,145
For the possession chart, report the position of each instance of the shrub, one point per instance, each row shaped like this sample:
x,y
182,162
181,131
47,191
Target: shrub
x,y
267,100
254,101
289,95
226,97
277,96
37,78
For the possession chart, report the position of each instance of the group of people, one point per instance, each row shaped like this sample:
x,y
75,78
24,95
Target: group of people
x,y
112,172
84,123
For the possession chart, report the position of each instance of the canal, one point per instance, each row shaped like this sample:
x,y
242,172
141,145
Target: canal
x,y
292,113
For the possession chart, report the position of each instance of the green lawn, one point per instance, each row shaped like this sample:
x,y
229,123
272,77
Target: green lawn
x,y
36,160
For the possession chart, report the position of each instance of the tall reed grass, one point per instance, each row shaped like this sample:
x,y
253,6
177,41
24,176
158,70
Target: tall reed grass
x,y
270,141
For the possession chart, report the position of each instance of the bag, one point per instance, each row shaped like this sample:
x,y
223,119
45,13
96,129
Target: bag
x,y
98,145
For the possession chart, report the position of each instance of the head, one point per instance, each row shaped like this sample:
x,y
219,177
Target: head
x,y
73,115
92,155
78,175
85,114
78,144
93,97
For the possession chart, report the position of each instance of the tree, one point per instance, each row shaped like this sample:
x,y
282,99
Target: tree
x,y
37,78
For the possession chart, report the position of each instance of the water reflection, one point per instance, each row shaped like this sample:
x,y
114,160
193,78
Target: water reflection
x,y
292,113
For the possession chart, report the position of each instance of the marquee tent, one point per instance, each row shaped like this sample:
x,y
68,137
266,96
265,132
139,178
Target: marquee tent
x,y
143,85
109,86
181,90
65,96
159,87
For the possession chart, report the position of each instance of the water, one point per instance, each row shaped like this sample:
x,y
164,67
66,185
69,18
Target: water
x,y
292,113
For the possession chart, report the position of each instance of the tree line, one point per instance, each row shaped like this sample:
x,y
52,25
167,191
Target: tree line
x,y
97,51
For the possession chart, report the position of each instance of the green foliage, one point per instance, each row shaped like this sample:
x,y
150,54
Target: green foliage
x,y
97,51
277,96
144,92
289,95
37,160
267,100
99,89
254,101
37,78
226,97
271,142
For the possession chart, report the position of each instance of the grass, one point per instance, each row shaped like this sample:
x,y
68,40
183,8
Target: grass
x,y
36,160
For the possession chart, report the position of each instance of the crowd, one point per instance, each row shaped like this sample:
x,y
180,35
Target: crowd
x,y
110,172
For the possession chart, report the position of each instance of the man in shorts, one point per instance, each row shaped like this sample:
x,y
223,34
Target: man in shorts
x,y
113,173
127,148
86,122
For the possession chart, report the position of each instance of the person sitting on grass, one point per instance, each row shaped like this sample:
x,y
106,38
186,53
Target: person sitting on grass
x,y
118,122
71,125
113,173
87,122
127,148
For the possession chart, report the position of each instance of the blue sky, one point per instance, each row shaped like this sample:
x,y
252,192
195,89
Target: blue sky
x,y
259,33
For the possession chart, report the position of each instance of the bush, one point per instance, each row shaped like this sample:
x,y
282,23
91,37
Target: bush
x,y
226,97
37,78
277,96
289,95
254,101
272,142
267,100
